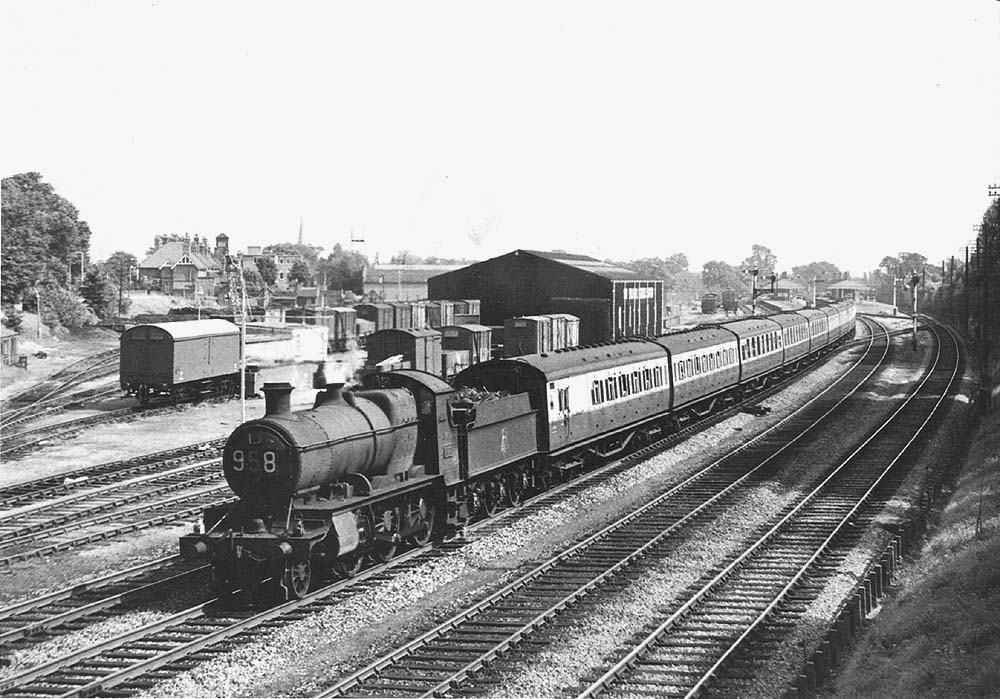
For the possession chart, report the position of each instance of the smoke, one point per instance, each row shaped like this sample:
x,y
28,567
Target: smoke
x,y
346,367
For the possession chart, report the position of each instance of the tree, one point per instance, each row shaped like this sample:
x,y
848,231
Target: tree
x,y
762,259
309,252
718,276
12,319
254,283
343,270
268,270
42,234
99,294
405,257
657,268
299,272
822,273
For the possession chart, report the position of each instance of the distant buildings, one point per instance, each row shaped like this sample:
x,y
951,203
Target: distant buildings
x,y
400,282
179,266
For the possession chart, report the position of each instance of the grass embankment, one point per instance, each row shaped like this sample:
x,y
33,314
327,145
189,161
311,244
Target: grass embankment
x,y
939,633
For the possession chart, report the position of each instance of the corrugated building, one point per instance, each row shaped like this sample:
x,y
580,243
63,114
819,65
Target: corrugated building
x,y
610,302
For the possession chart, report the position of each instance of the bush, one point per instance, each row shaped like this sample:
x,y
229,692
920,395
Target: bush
x,y
61,307
12,319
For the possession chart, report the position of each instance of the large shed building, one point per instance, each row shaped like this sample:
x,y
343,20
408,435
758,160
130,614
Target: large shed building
x,y
610,302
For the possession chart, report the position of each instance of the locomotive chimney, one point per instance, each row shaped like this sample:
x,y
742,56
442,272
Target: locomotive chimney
x,y
277,399
330,377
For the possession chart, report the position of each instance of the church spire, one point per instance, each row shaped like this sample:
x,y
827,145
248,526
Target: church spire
x,y
300,230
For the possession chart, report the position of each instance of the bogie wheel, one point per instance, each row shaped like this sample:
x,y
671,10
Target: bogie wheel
x,y
420,512
298,576
385,526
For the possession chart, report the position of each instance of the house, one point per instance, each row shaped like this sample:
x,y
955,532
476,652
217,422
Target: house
x,y
179,266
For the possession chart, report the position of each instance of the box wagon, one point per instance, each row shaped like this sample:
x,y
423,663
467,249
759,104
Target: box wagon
x,y
419,349
381,314
474,338
527,335
184,359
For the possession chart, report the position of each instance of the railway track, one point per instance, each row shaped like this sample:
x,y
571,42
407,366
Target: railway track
x,y
35,529
17,445
715,638
15,421
89,476
31,402
124,672
42,617
455,652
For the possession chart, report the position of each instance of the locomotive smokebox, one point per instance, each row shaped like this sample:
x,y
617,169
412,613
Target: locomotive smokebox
x,y
277,399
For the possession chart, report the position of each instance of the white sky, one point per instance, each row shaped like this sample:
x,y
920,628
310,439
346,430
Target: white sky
x,y
827,131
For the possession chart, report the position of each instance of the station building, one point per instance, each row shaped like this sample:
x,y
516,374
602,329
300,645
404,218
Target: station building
x,y
610,302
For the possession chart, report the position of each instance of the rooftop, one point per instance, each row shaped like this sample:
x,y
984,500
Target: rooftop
x,y
850,284
170,254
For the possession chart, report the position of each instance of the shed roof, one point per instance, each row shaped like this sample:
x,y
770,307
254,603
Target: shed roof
x,y
789,284
850,284
586,264
187,329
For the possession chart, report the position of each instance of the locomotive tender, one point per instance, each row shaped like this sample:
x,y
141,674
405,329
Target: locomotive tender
x,y
322,490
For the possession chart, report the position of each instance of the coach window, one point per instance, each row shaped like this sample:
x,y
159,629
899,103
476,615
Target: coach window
x,y
690,367
697,365
593,392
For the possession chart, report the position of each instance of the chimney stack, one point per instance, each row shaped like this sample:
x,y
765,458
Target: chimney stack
x,y
277,399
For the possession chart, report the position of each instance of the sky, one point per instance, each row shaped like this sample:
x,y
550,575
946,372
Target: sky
x,y
840,132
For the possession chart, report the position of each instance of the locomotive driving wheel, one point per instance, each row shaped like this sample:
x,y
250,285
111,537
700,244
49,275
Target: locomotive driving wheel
x,y
347,566
420,512
517,484
494,494
298,575
386,536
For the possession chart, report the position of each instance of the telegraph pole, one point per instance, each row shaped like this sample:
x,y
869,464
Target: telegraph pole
x,y
753,289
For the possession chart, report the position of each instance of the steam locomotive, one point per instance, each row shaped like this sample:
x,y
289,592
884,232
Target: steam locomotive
x,y
365,471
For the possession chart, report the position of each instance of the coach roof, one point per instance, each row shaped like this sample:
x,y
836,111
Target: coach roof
x,y
578,360
188,329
